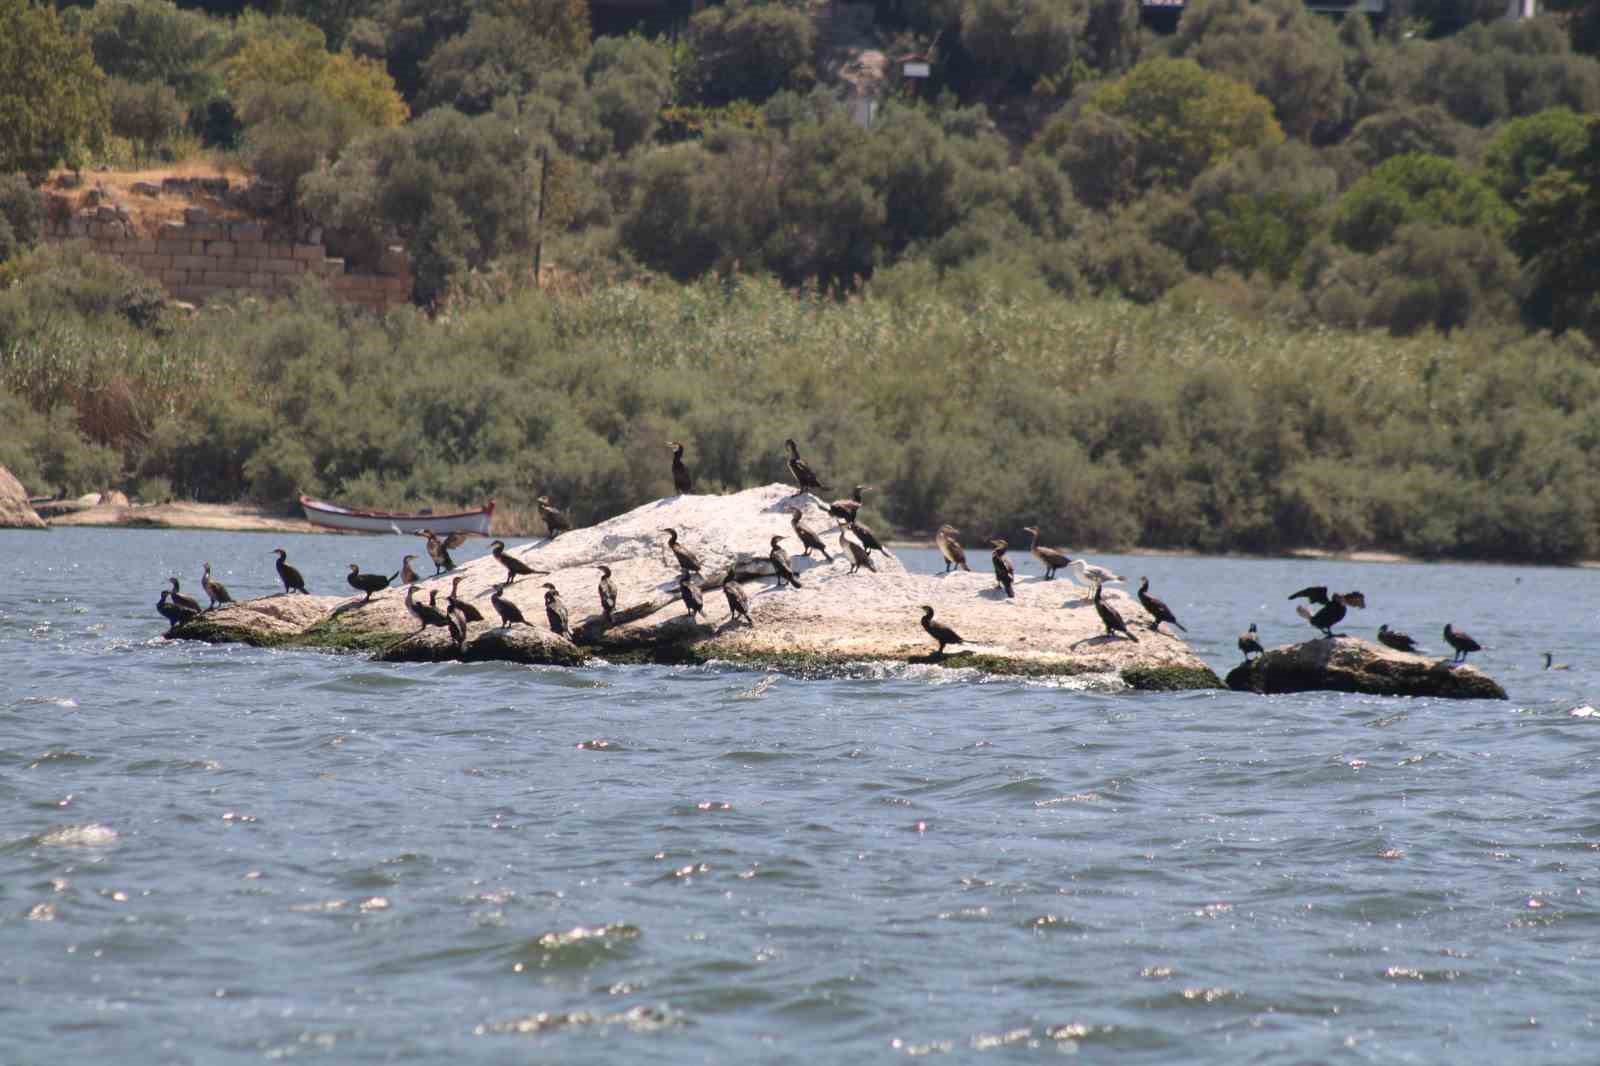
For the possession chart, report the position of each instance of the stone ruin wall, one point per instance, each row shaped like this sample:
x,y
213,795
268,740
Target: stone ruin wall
x,y
201,257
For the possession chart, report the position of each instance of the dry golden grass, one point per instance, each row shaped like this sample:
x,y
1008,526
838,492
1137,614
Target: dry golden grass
x,y
150,213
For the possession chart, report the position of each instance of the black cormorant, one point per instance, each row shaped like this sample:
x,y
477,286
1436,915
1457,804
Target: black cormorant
x,y
1460,642
859,556
439,548
181,600
556,611
456,622
681,481
455,602
514,567
510,614
171,611
869,539
693,601
1159,611
808,539
1332,612
608,593
406,576
1250,642
1052,558
426,613
1004,573
780,564
556,521
688,561
950,548
1110,617
738,600
292,581
938,630
368,583
214,588
846,508
1397,641
804,476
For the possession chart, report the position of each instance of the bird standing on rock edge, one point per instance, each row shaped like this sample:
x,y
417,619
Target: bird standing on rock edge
x,y
181,600
939,631
1004,573
1398,641
368,583
780,565
847,508
693,601
688,561
214,588
1333,607
808,540
292,581
1052,558
425,613
510,614
406,576
439,549
1461,642
1110,617
803,475
171,611
556,611
738,600
456,603
1250,642
608,594
1158,609
859,556
950,548
681,481
513,565
556,521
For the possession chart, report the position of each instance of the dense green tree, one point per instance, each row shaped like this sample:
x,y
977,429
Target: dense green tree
x,y
1098,153
748,51
1488,73
53,99
1259,209
1525,148
631,80
492,59
155,41
21,215
147,112
1558,237
1415,188
1424,128
1026,39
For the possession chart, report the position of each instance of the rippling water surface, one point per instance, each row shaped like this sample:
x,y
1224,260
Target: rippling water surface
x,y
217,854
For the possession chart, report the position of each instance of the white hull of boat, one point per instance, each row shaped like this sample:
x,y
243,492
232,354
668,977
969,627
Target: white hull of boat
x,y
332,516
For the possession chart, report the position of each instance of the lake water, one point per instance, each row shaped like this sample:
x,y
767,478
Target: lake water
x,y
222,854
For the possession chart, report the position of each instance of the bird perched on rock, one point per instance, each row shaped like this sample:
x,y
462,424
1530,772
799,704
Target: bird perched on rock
x,y
406,576
869,540
556,611
1004,572
780,565
738,600
171,611
1159,611
292,581
1461,642
427,614
950,548
808,540
681,481
1250,642
1052,558
1091,574
368,583
456,623
693,601
688,561
1397,641
1333,607
514,567
556,521
608,593
845,510
859,556
939,631
1110,617
439,548
181,600
803,475
510,614
455,603
214,588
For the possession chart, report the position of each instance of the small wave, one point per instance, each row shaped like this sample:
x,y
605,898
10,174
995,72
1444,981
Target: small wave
x,y
636,1019
79,836
578,946
53,701
1585,711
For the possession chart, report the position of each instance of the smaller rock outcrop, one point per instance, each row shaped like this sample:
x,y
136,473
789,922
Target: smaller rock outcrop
x,y
1349,664
15,512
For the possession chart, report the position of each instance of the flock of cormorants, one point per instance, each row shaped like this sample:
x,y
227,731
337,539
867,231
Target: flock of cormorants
x,y
457,613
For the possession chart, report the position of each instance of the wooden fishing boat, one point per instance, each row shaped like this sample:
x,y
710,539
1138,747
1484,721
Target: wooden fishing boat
x,y
332,516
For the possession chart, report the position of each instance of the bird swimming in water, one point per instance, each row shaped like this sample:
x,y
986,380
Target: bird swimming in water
x,y
1551,664
181,600
808,540
738,600
1004,572
292,581
1110,617
556,611
406,576
847,508
514,567
939,631
1398,641
859,556
556,521
688,561
171,611
1158,609
426,613
1249,642
693,601
1333,607
368,583
1052,558
1461,642
214,588
780,565
608,593
803,475
456,603
1092,574
510,614
681,481
949,547
439,548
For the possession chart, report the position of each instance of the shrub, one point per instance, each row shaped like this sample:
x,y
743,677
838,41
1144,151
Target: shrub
x,y
1415,188
21,216
53,101
1425,128
748,51
631,80
1098,152
493,59
148,113
144,41
1026,39
1525,148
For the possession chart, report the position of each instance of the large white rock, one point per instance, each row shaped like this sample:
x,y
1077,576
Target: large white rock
x,y
15,512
